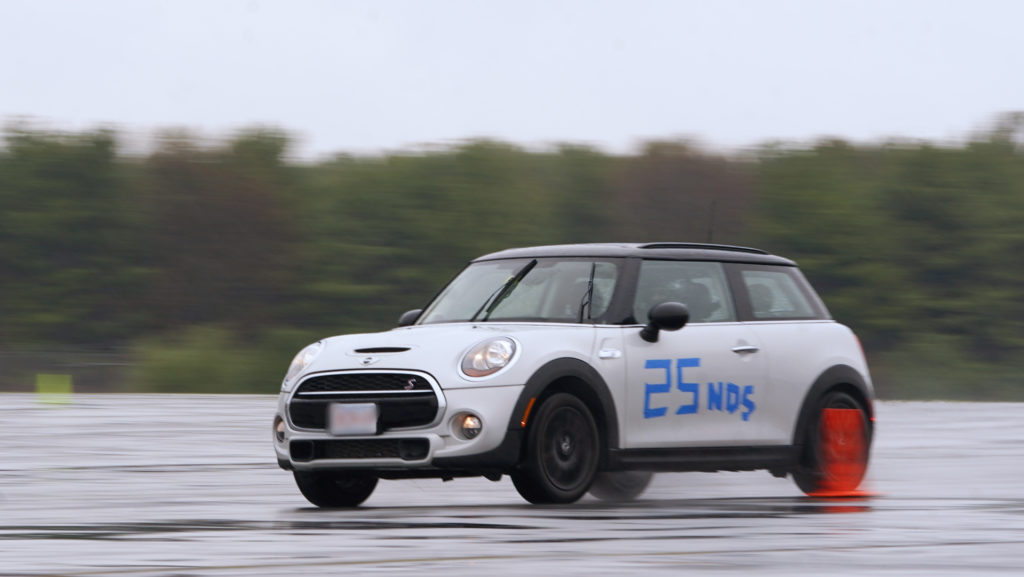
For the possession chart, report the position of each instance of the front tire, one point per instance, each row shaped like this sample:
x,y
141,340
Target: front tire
x,y
562,452
333,489
837,441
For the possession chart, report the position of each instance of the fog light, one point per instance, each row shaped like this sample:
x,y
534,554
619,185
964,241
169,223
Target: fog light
x,y
279,429
467,426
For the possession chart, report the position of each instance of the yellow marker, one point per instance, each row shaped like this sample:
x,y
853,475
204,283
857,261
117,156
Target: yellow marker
x,y
54,389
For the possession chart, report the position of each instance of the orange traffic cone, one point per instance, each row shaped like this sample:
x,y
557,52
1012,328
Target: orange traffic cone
x,y
844,453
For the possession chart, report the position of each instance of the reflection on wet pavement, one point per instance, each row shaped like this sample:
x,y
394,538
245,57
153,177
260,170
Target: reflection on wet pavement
x,y
186,485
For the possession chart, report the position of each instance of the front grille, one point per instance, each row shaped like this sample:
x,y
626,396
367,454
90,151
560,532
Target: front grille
x,y
405,449
404,399
364,382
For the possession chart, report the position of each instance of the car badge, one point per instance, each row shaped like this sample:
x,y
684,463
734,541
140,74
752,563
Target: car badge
x,y
410,384
367,361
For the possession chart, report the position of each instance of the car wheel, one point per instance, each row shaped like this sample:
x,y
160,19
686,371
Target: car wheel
x,y
837,439
330,489
562,451
620,485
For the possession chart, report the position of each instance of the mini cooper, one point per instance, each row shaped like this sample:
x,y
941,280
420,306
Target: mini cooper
x,y
586,368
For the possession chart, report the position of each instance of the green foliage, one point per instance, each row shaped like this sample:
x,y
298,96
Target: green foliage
x,y
221,236
67,260
202,258
675,192
906,240
934,365
384,234
210,359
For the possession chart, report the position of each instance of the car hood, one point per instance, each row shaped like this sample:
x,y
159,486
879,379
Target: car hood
x,y
438,349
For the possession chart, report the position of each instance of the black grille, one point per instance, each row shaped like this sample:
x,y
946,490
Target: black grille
x,y
405,400
405,449
351,382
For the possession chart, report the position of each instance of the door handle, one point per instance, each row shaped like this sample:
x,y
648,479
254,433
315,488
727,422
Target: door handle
x,y
745,349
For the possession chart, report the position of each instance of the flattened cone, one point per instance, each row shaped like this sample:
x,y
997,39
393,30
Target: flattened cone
x,y
844,453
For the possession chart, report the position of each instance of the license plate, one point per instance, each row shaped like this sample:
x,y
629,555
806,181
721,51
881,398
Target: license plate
x,y
352,418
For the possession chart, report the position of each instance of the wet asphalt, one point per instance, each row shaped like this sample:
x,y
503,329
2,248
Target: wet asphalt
x,y
178,485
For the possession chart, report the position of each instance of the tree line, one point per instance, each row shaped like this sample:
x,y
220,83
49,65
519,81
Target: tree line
x,y
204,266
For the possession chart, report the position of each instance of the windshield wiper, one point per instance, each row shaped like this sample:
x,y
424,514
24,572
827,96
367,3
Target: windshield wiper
x,y
589,295
503,291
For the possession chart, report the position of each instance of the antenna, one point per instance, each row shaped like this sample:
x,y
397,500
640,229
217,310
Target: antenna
x,y
711,221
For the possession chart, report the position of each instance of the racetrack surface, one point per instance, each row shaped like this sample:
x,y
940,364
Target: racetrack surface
x,y
187,486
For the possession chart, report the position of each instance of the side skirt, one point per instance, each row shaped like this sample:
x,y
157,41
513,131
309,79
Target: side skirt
x,y
707,459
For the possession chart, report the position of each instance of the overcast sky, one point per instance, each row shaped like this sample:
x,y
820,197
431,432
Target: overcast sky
x,y
369,75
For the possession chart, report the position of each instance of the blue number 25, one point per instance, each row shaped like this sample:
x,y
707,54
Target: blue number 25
x,y
666,386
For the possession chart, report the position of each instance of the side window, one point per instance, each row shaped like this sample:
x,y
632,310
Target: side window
x,y
701,286
775,294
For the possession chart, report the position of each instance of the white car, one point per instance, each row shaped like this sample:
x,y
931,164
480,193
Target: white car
x,y
583,368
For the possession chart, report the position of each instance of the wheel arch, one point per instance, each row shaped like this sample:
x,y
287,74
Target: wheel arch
x,y
837,378
576,377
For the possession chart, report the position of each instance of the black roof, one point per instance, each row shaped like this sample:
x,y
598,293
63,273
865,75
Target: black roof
x,y
655,250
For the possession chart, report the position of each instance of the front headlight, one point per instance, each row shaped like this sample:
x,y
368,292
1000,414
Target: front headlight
x,y
488,357
300,362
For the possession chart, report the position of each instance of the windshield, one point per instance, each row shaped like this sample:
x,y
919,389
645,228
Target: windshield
x,y
546,290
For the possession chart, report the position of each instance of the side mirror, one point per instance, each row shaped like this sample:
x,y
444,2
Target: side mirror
x,y
670,316
409,317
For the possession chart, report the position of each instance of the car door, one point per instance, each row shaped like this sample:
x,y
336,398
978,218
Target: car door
x,y
702,384
782,310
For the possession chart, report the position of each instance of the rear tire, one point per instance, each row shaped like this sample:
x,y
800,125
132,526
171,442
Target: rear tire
x,y
333,489
620,486
562,451
834,458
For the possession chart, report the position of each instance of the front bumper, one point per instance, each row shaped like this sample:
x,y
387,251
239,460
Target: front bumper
x,y
430,450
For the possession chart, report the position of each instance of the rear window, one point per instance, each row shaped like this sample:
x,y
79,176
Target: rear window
x,y
780,293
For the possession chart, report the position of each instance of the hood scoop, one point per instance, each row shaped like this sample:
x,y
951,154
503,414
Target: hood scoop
x,y
380,350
